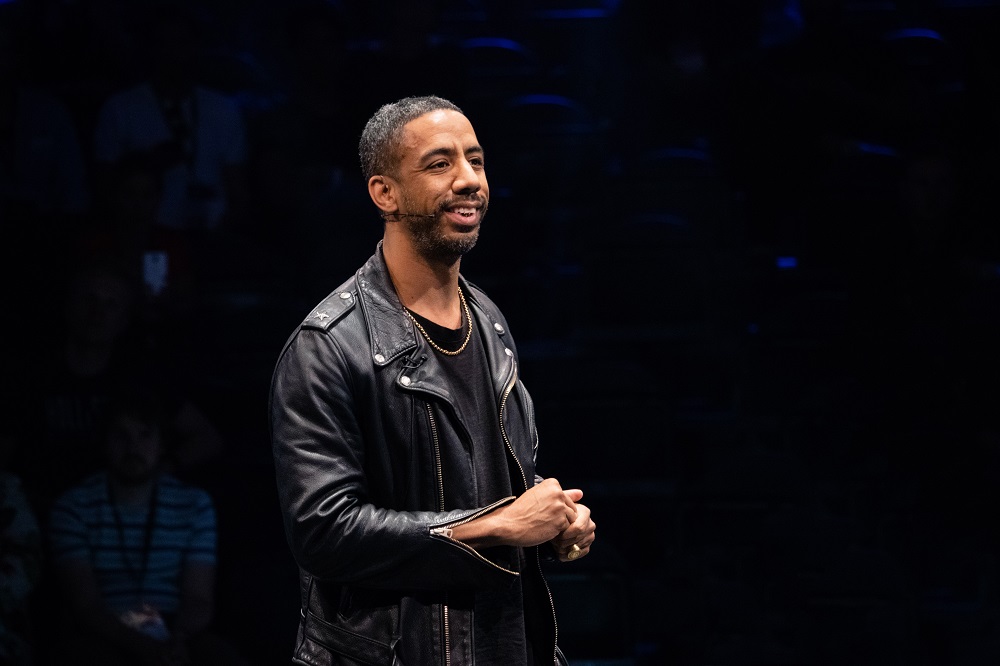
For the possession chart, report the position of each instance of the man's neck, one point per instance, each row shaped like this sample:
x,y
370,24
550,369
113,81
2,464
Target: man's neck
x,y
132,494
424,286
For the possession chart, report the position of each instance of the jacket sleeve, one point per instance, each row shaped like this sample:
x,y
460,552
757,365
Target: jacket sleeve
x,y
336,533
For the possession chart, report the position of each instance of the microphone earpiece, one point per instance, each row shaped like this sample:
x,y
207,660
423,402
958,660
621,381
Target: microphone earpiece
x,y
399,215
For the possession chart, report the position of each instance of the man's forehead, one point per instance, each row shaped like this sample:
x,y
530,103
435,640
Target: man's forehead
x,y
442,126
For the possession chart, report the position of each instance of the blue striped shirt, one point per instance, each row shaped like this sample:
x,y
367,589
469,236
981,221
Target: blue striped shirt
x,y
83,526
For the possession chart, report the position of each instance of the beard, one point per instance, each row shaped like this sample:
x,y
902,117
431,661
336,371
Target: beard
x,y
133,470
429,237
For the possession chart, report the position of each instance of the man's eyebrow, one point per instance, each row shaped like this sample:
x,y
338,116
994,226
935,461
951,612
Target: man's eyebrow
x,y
448,152
437,152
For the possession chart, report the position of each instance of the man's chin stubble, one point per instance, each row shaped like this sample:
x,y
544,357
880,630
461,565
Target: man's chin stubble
x,y
435,246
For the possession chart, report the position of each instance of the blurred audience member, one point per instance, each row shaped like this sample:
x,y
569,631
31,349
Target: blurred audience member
x,y
59,396
134,552
20,568
195,133
124,227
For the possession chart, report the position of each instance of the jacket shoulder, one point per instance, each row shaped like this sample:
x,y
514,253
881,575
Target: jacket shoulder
x,y
332,308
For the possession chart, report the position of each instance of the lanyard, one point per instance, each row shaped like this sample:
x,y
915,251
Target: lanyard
x,y
138,576
184,130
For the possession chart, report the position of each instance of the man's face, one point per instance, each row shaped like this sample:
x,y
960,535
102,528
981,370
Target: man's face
x,y
98,309
441,173
134,450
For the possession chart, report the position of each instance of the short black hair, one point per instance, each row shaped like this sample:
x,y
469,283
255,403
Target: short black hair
x,y
380,139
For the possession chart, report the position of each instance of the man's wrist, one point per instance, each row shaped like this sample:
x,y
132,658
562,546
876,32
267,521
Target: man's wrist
x,y
482,532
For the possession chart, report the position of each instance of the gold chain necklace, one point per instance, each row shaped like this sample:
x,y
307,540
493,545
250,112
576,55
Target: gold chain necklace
x,y
436,346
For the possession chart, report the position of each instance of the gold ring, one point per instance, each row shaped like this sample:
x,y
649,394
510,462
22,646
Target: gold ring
x,y
574,552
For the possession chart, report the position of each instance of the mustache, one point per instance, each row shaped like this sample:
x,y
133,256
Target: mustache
x,y
474,201
478,202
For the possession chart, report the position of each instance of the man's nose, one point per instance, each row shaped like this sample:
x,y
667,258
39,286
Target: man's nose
x,y
468,179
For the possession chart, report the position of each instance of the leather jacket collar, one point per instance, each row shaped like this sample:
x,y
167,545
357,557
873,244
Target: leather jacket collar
x,y
390,330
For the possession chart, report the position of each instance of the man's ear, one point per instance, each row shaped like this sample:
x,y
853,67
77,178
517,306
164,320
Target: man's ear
x,y
383,190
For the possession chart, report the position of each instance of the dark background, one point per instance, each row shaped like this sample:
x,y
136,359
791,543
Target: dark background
x,y
748,249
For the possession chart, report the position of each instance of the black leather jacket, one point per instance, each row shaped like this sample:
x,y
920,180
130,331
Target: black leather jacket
x,y
359,416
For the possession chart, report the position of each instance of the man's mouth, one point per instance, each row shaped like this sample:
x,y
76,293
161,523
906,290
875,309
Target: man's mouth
x,y
467,212
466,209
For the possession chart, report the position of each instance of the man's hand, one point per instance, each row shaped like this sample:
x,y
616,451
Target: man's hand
x,y
580,533
536,517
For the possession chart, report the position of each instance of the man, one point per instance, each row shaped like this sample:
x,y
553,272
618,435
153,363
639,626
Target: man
x,y
134,553
194,133
404,441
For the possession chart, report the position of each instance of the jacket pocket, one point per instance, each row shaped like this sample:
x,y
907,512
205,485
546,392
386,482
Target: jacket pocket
x,y
364,631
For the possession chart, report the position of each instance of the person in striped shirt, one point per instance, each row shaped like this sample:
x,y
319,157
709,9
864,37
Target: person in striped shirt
x,y
133,550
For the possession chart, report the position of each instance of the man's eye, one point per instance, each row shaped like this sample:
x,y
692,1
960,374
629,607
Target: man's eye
x,y
439,165
477,162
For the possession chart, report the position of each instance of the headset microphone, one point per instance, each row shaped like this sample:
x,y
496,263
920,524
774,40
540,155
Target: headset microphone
x,y
399,215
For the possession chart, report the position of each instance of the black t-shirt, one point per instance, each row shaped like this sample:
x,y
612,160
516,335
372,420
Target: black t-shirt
x,y
499,635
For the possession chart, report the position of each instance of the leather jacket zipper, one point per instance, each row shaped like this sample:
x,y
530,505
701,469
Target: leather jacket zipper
x,y
503,430
524,479
445,531
447,633
436,446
